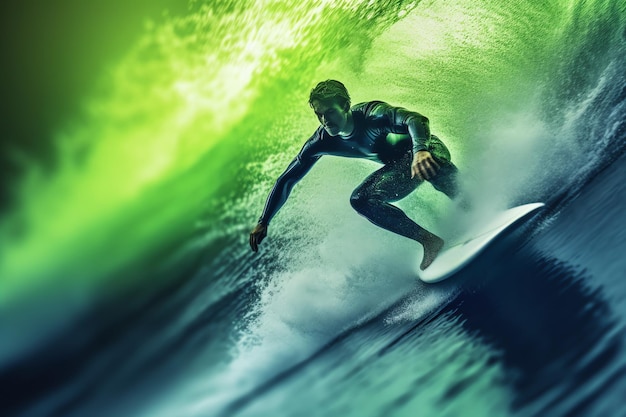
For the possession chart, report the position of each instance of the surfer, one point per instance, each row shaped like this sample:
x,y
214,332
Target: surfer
x,y
409,158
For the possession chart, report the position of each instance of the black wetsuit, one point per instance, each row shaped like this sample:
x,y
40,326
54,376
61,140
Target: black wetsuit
x,y
373,123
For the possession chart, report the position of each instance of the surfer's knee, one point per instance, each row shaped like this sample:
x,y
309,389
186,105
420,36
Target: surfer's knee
x,y
357,201
360,202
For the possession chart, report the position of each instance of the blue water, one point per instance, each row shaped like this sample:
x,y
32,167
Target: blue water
x,y
330,319
534,327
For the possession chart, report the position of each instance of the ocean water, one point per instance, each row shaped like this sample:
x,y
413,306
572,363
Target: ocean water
x,y
128,287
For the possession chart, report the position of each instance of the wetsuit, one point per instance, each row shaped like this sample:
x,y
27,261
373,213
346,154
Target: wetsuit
x,y
370,139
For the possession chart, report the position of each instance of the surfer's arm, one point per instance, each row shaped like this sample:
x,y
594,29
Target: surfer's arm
x,y
296,170
278,196
401,120
416,124
424,165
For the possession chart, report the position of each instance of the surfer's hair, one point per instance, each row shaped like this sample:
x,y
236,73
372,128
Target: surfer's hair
x,y
330,90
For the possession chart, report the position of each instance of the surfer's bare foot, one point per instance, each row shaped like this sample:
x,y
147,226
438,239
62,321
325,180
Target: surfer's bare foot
x,y
432,246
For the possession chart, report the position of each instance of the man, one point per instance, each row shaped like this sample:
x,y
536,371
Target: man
x,y
362,131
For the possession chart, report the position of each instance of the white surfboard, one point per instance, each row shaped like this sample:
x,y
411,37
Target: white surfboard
x,y
452,258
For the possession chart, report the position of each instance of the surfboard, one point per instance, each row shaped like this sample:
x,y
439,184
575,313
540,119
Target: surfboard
x,y
461,252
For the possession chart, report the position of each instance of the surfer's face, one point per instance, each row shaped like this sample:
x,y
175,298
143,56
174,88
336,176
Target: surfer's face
x,y
332,116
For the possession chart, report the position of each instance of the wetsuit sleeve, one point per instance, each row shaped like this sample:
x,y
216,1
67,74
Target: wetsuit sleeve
x,y
296,170
401,120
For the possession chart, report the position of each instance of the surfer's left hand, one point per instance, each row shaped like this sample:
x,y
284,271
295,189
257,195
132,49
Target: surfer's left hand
x,y
424,166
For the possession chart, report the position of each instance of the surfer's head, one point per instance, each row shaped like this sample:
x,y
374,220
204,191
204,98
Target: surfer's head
x,y
331,103
330,90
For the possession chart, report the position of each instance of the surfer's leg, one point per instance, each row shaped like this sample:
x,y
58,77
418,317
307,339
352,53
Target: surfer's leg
x,y
391,183
446,178
446,181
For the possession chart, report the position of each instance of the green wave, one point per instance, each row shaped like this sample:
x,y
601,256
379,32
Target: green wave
x,y
184,123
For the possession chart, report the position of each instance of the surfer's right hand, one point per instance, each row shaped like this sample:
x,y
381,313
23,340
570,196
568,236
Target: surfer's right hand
x,y
424,166
257,235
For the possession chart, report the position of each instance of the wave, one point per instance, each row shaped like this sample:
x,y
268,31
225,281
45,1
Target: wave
x,y
193,126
